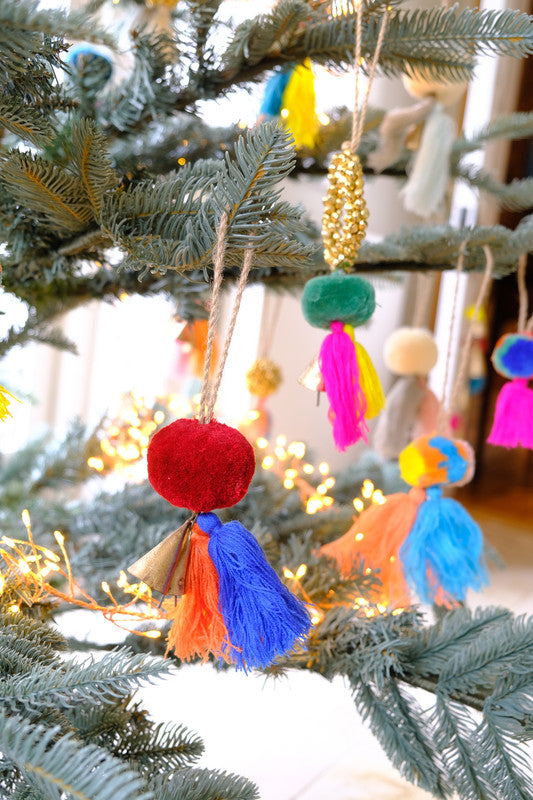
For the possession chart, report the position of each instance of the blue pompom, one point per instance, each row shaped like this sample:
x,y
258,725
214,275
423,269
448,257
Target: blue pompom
x,y
264,619
273,97
456,465
513,355
443,549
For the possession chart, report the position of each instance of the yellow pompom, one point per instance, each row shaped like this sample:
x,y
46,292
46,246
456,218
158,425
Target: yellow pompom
x,y
298,110
263,377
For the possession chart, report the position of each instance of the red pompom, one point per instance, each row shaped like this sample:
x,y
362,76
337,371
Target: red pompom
x,y
200,466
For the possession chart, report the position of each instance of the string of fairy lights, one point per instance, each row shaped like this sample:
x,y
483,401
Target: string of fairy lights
x,y
30,571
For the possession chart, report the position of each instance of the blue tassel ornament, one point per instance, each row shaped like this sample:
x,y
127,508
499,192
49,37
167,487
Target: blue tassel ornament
x,y
442,555
263,618
444,549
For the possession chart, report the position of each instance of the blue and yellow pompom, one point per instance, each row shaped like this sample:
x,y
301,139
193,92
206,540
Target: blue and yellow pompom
x,y
290,94
436,460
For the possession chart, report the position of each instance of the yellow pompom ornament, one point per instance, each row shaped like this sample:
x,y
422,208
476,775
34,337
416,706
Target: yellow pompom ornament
x,y
263,377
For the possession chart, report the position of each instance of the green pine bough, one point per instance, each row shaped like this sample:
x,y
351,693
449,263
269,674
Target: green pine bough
x,y
75,182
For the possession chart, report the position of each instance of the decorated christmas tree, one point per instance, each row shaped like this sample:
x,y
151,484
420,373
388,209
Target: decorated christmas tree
x,y
113,182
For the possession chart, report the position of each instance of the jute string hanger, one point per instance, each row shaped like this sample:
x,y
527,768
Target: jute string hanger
x,y
209,391
446,408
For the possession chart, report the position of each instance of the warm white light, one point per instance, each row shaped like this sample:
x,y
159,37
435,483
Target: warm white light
x,y
321,489
267,462
323,468
281,440
302,569
261,443
359,536
313,505
26,518
308,469
58,536
358,504
288,574
329,482
297,449
367,490
288,483
159,416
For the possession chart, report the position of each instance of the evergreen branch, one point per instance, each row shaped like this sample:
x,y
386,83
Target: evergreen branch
x,y
516,195
90,156
453,728
161,748
488,658
46,189
110,678
38,328
26,122
51,763
400,729
432,648
171,224
506,765
204,784
26,20
511,704
518,125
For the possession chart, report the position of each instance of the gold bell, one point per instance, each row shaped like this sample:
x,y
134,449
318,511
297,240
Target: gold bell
x,y
163,568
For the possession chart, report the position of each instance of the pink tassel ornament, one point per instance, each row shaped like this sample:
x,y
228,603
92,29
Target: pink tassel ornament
x,y
339,302
513,417
340,372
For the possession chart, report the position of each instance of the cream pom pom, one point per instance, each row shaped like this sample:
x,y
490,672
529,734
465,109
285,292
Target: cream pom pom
x,y
410,351
444,92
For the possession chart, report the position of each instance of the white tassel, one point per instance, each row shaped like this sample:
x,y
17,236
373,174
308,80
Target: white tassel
x,y
425,190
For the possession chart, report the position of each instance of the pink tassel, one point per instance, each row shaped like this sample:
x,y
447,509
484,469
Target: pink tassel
x,y
513,418
338,366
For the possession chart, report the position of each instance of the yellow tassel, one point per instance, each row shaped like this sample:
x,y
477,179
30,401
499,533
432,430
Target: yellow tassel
x,y
368,378
4,403
298,109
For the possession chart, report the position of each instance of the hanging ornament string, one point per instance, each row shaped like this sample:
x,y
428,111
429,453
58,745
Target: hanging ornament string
x,y
424,285
209,392
525,325
345,214
271,314
446,409
358,117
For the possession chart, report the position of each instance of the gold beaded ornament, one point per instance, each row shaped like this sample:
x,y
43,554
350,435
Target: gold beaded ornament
x,y
344,221
345,216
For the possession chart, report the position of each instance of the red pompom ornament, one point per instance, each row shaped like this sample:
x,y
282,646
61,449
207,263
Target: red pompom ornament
x,y
200,466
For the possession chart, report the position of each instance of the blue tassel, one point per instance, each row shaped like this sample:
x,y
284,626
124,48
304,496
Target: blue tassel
x,y
443,549
273,97
264,619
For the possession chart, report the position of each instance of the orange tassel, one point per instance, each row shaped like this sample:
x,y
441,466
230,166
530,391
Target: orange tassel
x,y
198,628
375,538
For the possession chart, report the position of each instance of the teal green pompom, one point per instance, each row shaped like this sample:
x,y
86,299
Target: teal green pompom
x,y
338,297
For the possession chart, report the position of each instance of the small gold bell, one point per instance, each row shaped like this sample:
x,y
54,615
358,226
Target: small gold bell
x,y
311,377
163,567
